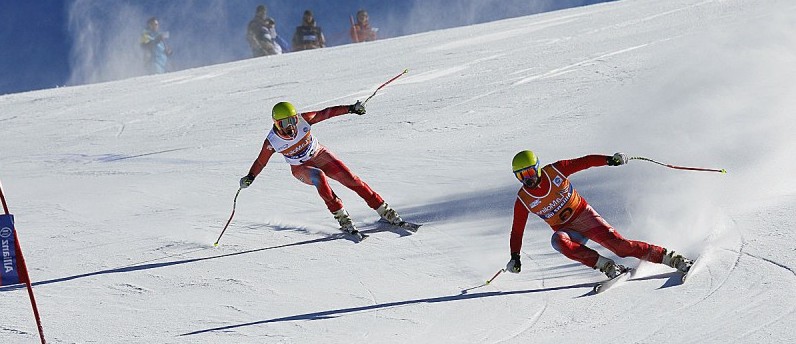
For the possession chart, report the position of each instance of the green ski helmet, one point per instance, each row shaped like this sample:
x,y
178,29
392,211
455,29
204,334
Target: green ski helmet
x,y
526,168
284,115
283,110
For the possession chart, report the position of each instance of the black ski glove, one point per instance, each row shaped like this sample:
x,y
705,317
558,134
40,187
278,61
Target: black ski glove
x,y
246,181
514,265
357,108
617,159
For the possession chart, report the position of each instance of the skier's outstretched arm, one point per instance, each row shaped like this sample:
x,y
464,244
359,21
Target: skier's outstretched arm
x,y
313,117
258,165
568,167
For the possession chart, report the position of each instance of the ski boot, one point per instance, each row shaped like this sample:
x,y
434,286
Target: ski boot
x,y
609,268
677,261
346,224
389,214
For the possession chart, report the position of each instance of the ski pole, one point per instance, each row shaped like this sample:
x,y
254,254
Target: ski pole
x,y
385,84
495,276
234,203
465,291
678,167
353,26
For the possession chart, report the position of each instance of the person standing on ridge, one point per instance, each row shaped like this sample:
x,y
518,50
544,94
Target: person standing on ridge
x,y
311,163
261,34
547,192
156,50
361,30
308,35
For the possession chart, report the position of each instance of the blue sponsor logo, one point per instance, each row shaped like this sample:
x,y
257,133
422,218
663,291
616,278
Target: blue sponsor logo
x,y
8,272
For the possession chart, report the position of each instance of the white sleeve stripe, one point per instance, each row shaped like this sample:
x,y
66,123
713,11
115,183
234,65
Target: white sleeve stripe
x,y
523,203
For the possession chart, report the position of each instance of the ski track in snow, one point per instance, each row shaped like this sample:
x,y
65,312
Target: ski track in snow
x,y
530,322
570,68
772,262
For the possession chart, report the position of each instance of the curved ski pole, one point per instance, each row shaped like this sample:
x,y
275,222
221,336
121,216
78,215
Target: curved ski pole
x,y
385,84
678,167
465,291
495,276
234,203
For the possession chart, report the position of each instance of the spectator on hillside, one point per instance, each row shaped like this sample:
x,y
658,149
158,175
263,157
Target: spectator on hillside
x,y
156,50
261,34
361,30
308,35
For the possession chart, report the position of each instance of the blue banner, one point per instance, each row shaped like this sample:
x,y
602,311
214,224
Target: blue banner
x,y
9,273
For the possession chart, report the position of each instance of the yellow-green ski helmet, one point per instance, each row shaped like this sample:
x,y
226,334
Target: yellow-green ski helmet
x,y
525,166
283,110
284,115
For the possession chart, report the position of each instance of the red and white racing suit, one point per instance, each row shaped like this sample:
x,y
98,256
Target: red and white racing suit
x,y
311,163
573,220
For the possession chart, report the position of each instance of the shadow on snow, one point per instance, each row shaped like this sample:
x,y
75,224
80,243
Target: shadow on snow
x,y
379,227
330,314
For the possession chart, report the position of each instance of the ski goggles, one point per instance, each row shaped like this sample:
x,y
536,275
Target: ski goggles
x,y
529,176
285,123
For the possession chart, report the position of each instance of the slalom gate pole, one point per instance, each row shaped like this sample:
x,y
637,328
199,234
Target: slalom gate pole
x,y
23,271
234,203
3,199
495,276
678,167
385,84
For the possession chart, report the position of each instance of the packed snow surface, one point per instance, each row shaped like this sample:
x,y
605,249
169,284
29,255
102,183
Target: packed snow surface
x,y
120,189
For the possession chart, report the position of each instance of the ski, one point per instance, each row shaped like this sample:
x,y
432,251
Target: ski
x,y
355,234
410,226
360,236
604,285
684,275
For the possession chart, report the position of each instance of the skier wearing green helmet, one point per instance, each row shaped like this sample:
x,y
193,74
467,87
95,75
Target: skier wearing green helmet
x,y
547,192
311,163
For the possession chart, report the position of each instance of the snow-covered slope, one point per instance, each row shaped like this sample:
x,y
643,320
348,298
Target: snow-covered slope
x,y
119,189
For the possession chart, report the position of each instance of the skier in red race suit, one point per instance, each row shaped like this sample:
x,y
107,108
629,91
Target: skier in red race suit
x,y
311,163
548,193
